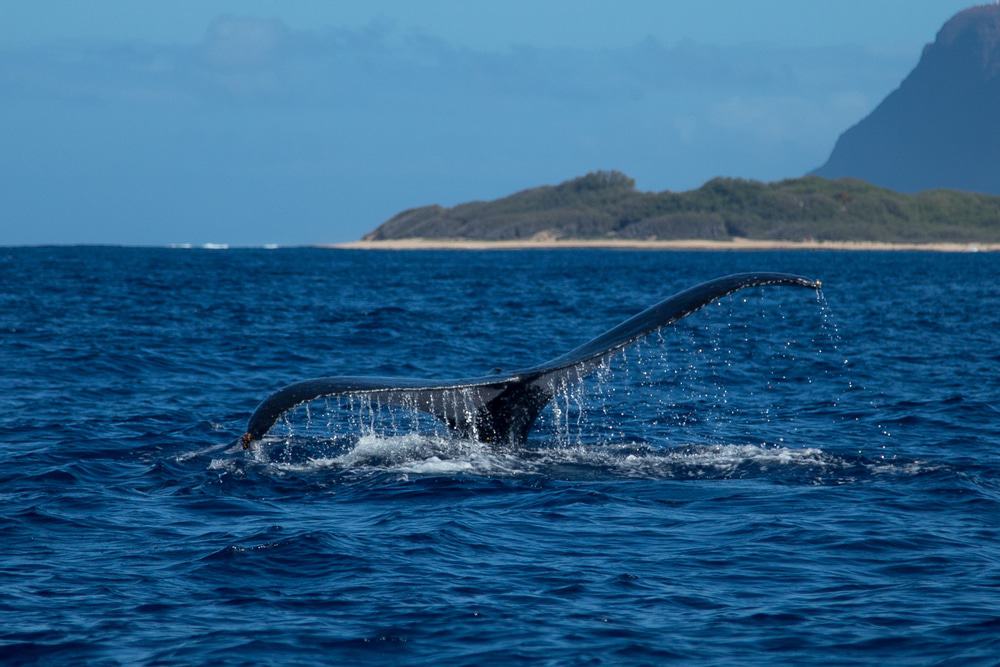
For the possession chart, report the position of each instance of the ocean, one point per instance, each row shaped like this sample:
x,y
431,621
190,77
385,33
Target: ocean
x,y
782,477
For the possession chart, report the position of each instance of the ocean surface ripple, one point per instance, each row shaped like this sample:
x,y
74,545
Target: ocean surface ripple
x,y
781,477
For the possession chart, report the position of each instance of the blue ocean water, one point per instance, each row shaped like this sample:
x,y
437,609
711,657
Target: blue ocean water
x,y
779,478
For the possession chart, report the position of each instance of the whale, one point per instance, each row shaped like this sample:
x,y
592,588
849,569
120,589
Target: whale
x,y
501,409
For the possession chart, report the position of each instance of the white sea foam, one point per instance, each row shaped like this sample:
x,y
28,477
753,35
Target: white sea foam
x,y
437,455
411,453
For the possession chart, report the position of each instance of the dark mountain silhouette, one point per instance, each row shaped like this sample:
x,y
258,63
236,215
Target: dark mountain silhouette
x,y
940,128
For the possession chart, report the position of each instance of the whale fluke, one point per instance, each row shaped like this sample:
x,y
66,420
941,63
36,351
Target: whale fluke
x,y
502,408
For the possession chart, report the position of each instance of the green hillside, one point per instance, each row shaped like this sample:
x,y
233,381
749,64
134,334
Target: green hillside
x,y
606,205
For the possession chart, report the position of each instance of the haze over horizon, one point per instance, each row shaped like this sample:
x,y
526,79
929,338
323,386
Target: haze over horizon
x,y
258,122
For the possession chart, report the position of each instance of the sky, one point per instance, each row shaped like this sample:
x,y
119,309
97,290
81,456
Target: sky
x,y
253,122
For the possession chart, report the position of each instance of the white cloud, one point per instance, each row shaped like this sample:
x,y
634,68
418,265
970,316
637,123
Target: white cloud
x,y
239,41
245,58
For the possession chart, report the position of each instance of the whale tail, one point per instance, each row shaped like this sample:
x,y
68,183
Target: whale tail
x,y
501,409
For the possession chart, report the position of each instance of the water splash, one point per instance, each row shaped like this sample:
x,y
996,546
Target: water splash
x,y
715,387
442,456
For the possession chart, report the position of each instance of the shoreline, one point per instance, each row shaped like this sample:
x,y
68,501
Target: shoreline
x,y
737,244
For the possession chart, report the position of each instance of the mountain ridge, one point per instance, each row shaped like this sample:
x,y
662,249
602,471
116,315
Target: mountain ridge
x,y
938,129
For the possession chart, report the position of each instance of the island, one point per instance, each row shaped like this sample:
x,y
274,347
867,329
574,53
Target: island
x,y
903,177
604,208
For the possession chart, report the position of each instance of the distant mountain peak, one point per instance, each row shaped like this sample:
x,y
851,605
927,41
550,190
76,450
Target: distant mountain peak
x,y
939,128
971,39
980,23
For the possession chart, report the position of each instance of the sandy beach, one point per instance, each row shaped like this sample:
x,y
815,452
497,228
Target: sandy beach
x,y
691,244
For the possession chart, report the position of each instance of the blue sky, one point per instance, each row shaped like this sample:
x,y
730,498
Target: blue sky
x,y
306,122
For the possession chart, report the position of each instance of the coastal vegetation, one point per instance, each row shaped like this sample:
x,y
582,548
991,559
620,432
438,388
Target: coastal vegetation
x,y
607,205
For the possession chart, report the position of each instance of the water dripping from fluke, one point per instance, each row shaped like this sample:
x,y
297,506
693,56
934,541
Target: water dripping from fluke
x,y
499,410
